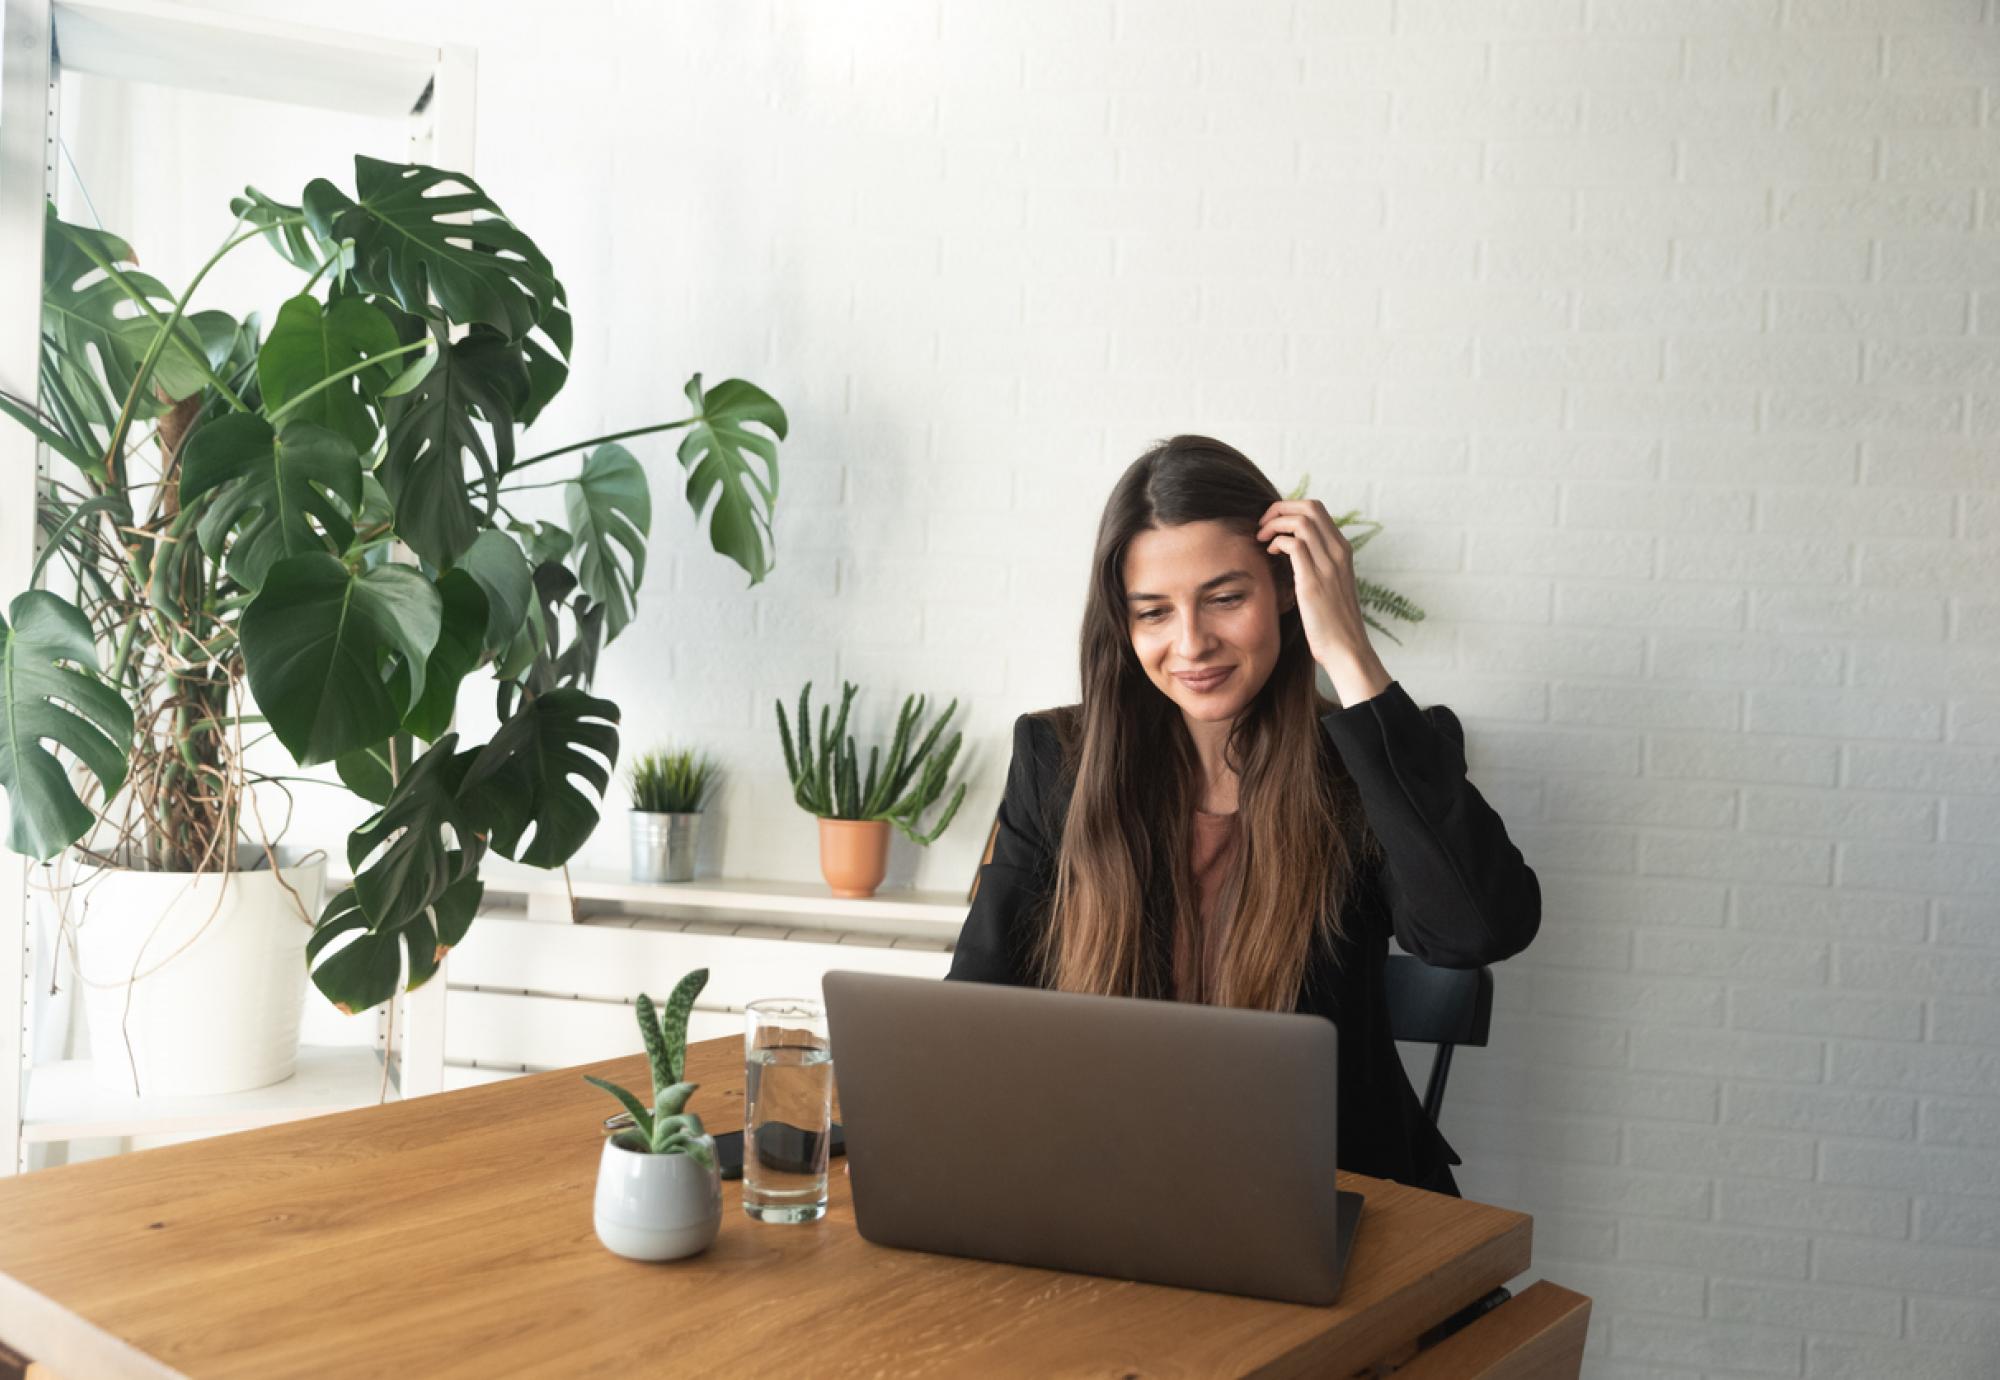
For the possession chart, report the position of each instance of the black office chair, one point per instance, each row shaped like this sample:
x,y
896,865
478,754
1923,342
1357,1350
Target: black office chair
x,y
1446,1007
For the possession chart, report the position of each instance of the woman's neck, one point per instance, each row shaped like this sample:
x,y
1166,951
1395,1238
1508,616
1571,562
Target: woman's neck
x,y
1217,794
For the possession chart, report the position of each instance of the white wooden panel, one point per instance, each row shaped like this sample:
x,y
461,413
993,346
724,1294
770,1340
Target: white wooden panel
x,y
546,1032
920,914
542,1031
554,1032
458,1076
711,1025
617,962
273,60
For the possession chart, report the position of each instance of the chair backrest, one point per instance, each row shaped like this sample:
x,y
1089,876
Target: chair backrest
x,y
1438,1006
1445,1007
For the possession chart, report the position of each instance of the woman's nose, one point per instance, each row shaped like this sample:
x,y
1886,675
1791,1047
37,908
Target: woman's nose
x,y
1194,636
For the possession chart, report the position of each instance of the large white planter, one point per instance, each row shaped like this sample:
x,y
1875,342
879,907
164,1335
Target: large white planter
x,y
219,1015
656,1207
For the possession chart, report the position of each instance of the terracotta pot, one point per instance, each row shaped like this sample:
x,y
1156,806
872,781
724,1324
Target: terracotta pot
x,y
853,855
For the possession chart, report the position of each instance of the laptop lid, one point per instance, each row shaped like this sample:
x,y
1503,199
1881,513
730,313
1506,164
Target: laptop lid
x,y
1149,1140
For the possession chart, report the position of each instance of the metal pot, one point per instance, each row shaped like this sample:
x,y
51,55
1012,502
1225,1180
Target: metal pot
x,y
663,846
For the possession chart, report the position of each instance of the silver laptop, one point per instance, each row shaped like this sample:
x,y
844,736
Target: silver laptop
x,y
1149,1140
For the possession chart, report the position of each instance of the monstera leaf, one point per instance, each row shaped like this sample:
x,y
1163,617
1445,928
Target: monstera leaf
x,y
283,229
363,973
283,495
81,319
358,975
610,514
309,345
51,429
434,429
42,698
712,454
461,640
193,355
412,244
537,656
371,772
523,777
412,890
517,660
314,642
401,859
496,565
548,369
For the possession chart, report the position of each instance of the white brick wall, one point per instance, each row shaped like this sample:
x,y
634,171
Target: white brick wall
x,y
1650,329
1662,332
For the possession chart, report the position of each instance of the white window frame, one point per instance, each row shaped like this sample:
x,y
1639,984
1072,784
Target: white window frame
x,y
140,40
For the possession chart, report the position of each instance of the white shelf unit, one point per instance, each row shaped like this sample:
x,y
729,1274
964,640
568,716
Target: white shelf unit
x,y
915,914
536,986
65,1104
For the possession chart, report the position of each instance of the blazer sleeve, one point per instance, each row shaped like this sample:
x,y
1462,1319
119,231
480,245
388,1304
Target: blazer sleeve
x,y
996,943
1459,893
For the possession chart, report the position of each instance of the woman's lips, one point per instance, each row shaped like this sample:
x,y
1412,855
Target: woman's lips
x,y
1207,681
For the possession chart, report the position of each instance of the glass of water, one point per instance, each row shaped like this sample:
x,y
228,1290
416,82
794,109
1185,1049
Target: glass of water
x,y
787,1109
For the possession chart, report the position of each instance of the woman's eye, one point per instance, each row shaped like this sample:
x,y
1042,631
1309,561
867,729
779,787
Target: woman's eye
x,y
1154,615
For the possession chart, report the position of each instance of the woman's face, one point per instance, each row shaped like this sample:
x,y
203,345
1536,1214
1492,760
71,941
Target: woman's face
x,y
1203,609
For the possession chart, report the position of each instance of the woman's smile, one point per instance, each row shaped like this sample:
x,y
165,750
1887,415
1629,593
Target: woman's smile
x,y
1205,680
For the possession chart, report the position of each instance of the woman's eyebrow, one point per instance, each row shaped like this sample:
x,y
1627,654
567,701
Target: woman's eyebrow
x,y
1207,585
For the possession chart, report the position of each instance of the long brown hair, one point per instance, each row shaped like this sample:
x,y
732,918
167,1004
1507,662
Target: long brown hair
x,y
1124,890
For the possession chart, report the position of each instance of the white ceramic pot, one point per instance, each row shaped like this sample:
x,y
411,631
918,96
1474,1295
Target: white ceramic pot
x,y
656,1207
219,1015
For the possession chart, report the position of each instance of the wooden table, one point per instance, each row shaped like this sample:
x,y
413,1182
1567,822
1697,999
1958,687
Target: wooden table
x,y
451,1235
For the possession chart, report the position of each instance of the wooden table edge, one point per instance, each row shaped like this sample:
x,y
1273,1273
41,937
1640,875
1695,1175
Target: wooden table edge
x,y
1536,1334
1333,1350
64,1345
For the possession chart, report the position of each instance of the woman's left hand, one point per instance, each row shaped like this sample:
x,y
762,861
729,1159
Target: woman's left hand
x,y
1329,604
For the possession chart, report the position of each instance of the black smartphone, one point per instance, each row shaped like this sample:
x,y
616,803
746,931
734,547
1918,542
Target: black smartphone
x,y
780,1145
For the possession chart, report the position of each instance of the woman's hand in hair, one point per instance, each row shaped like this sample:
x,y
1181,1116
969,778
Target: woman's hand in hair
x,y
1329,605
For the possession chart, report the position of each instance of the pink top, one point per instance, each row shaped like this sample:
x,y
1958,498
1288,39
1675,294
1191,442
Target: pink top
x,y
1198,958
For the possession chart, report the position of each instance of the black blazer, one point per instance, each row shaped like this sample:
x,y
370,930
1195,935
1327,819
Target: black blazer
x,y
1448,883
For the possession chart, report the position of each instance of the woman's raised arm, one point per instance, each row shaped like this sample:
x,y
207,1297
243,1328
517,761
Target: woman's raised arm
x,y
1460,895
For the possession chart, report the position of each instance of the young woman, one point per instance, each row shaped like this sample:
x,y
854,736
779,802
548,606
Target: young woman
x,y
1206,826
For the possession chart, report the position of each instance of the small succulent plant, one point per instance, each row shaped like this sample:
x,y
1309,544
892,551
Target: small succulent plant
x,y
665,1129
827,780
672,782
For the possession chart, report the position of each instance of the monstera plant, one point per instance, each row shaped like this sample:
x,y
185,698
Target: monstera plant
x,y
303,532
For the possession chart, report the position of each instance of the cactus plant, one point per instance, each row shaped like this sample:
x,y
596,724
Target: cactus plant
x,y
828,781
665,1128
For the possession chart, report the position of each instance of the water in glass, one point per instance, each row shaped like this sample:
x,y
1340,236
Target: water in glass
x,y
787,1117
